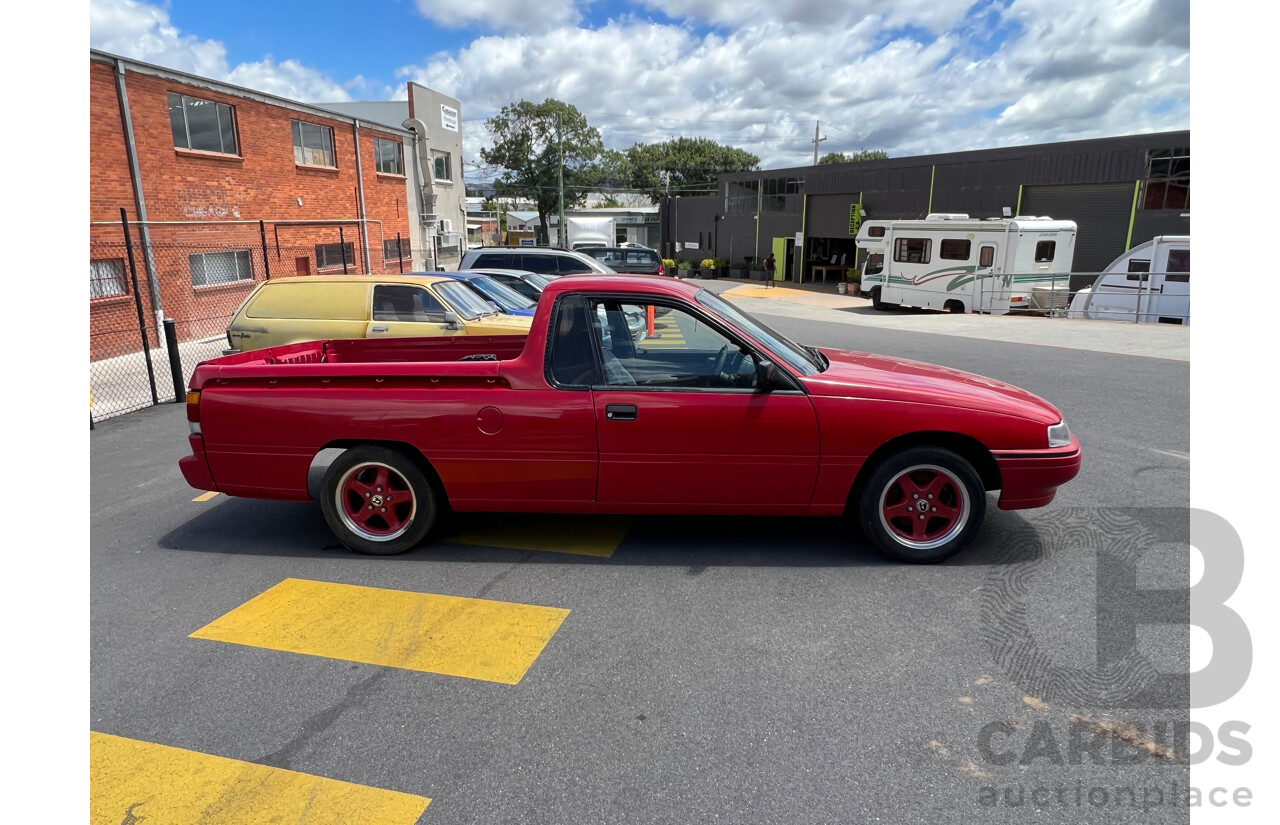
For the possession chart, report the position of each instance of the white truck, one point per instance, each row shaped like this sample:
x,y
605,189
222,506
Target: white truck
x,y
1149,284
584,232
955,263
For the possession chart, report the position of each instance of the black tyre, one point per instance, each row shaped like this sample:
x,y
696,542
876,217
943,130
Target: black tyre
x,y
377,500
922,505
955,307
877,304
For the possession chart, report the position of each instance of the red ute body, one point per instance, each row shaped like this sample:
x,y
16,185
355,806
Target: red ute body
x,y
501,437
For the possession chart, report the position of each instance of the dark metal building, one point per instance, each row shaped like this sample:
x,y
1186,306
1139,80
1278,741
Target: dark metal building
x,y
1121,191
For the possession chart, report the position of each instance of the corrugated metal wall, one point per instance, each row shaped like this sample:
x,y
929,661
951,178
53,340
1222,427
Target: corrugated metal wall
x,y
1102,213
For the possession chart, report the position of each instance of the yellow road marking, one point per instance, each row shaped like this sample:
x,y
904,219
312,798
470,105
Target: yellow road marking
x,y
580,535
134,781
204,496
471,638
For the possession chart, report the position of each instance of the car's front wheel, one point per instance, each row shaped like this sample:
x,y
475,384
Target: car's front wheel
x,y
376,500
922,505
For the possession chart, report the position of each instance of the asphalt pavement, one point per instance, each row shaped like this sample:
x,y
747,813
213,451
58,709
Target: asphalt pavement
x,y
735,670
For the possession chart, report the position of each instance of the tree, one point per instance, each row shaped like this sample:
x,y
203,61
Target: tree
x,y
853,157
684,166
525,146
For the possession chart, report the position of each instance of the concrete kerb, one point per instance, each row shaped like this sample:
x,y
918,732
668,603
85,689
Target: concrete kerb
x,y
1168,341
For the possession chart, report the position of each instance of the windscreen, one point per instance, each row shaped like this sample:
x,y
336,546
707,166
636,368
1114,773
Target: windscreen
x,y
796,356
463,301
503,295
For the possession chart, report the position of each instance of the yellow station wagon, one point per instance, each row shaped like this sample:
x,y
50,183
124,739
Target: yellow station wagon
x,y
322,307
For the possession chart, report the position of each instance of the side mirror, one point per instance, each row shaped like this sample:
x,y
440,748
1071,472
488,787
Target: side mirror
x,y
766,371
451,320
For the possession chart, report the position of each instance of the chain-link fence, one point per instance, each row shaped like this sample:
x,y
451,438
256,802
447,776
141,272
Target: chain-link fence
x,y
161,295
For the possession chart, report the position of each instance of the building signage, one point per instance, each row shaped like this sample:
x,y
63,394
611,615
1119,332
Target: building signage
x,y
449,117
635,218
526,241
855,217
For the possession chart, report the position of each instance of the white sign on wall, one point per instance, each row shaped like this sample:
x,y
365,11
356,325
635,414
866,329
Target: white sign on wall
x,y
449,117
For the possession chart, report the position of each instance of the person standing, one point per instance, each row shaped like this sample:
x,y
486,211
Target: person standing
x,y
770,267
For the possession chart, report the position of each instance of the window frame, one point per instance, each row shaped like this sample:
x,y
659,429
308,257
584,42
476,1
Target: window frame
x,y
899,248
404,253
123,280
436,157
186,123
300,148
378,143
374,311
1168,171
248,259
340,246
1053,252
942,249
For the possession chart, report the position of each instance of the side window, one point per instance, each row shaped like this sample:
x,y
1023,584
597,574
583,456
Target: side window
x,y
681,352
572,361
495,260
539,263
641,257
875,231
519,284
874,264
565,265
1178,269
1045,251
911,250
955,249
1138,269
396,302
986,256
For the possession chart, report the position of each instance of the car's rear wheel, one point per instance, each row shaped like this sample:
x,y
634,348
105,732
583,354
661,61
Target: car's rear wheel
x,y
378,501
877,304
922,505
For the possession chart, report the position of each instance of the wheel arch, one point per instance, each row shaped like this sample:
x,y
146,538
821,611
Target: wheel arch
x,y
955,305
315,474
967,447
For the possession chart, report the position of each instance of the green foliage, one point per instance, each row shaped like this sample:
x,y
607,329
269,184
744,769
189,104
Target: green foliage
x,y
610,202
669,263
852,157
709,263
489,205
691,166
525,147
684,265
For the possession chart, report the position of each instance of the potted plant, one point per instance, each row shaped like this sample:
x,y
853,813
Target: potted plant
x,y
722,264
710,268
684,268
669,266
855,282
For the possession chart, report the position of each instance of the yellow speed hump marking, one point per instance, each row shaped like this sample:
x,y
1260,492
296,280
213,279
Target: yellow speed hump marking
x,y
205,496
135,781
471,638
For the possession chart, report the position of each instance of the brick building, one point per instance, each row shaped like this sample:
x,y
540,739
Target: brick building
x,y
224,187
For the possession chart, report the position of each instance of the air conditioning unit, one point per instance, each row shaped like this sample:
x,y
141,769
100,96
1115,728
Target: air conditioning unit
x,y
446,225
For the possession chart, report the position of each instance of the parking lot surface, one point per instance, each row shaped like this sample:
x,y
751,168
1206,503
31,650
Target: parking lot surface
x,y
563,669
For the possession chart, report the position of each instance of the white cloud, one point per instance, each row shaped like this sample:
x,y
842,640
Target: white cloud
x,y
503,15
142,31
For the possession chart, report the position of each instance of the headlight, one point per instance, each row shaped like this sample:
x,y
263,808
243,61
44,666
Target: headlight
x,y
1059,435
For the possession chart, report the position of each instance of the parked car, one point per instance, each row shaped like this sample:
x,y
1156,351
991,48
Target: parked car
x,y
629,260
505,298
723,416
541,259
528,284
289,310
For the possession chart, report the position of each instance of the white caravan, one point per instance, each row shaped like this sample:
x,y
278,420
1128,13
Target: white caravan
x,y
1149,284
960,264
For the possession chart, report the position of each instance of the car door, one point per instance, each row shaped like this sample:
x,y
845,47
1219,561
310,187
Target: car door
x,y
1170,292
408,311
682,420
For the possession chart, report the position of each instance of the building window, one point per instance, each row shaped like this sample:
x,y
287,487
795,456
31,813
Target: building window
x,y
740,197
911,250
335,255
782,195
202,125
312,144
395,249
442,166
210,268
954,249
106,279
390,156
1045,250
1168,183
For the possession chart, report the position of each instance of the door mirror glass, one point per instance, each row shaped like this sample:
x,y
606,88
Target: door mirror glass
x,y
451,318
766,372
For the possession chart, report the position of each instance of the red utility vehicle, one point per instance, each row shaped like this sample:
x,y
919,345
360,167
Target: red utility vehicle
x,y
700,409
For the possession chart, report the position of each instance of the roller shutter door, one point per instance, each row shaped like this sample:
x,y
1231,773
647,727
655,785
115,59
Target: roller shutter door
x,y
1100,210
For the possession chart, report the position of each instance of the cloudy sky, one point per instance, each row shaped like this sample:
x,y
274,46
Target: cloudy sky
x,y
905,76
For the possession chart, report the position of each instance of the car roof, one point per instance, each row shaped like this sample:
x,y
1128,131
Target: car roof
x,y
417,278
643,284
496,271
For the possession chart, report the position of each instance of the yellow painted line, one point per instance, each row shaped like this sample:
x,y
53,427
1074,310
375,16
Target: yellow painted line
x,y
471,638
580,535
204,496
133,781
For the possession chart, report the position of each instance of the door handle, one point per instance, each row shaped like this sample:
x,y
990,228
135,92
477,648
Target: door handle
x,y
377,329
620,412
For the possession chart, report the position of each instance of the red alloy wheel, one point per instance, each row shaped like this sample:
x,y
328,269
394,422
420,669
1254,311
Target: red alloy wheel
x,y
924,507
375,501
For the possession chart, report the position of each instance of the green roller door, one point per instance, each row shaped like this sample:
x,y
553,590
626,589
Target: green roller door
x,y
1101,211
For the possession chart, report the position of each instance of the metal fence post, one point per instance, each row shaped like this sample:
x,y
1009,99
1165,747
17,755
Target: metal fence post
x,y
342,247
400,253
175,360
137,299
266,264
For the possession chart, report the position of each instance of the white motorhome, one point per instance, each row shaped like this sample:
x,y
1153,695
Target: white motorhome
x,y
1149,284
955,263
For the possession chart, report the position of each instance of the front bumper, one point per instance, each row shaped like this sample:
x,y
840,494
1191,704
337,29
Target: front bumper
x,y
1030,478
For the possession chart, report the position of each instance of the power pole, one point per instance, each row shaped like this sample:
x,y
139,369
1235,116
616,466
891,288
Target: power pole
x,y
560,216
816,140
